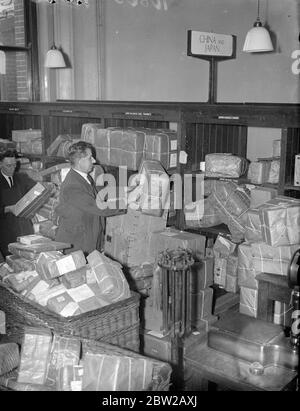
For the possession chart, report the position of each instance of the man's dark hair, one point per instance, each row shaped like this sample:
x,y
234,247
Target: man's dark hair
x,y
8,153
78,150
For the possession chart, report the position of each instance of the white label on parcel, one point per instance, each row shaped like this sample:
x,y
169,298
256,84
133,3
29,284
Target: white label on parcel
x,y
65,265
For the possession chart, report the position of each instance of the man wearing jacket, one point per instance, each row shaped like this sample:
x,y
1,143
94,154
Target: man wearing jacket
x,y
13,186
81,222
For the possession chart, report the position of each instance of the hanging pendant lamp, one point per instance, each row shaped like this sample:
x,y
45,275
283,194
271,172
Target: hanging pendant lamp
x,y
54,57
258,38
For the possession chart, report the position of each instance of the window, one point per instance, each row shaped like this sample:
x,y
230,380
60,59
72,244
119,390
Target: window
x,y
18,51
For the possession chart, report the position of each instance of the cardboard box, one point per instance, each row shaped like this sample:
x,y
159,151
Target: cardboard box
x,y
246,271
127,238
75,278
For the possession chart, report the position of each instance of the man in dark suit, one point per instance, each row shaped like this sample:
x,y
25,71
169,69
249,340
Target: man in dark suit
x,y
81,223
13,186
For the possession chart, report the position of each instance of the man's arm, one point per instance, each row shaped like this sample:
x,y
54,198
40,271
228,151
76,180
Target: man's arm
x,y
85,202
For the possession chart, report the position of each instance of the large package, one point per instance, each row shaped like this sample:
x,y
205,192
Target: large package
x,y
109,277
151,194
225,165
89,132
280,221
118,147
34,199
25,135
246,271
202,213
104,372
172,238
274,260
253,231
161,145
258,172
35,356
248,301
128,236
260,195
231,202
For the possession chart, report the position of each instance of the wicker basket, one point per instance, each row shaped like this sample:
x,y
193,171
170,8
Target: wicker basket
x,y
116,323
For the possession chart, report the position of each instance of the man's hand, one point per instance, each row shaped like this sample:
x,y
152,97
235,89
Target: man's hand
x,y
10,209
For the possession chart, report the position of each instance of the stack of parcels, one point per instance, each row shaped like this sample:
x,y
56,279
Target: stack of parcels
x,y
55,363
264,171
276,222
33,200
254,258
66,284
28,141
6,145
226,264
151,194
60,146
226,203
128,146
127,238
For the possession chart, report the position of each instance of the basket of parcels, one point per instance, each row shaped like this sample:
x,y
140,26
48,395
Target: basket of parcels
x,y
50,362
71,297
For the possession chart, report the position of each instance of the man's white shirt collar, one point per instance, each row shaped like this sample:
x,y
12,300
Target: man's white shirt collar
x,y
84,175
7,178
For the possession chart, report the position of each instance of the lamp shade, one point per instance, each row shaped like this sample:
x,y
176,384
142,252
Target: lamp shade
x,y
258,39
54,58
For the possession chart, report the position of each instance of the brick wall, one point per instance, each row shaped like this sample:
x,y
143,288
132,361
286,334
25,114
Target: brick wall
x,y
15,86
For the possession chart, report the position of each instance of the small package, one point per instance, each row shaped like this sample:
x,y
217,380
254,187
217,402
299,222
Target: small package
x,y
260,195
34,199
9,357
258,172
75,278
18,264
19,282
64,305
225,165
223,247
33,239
274,172
68,263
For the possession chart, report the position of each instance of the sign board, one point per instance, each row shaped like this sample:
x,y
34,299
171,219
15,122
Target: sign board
x,y
204,44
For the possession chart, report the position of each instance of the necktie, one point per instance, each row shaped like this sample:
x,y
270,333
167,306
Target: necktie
x,y
11,182
92,182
